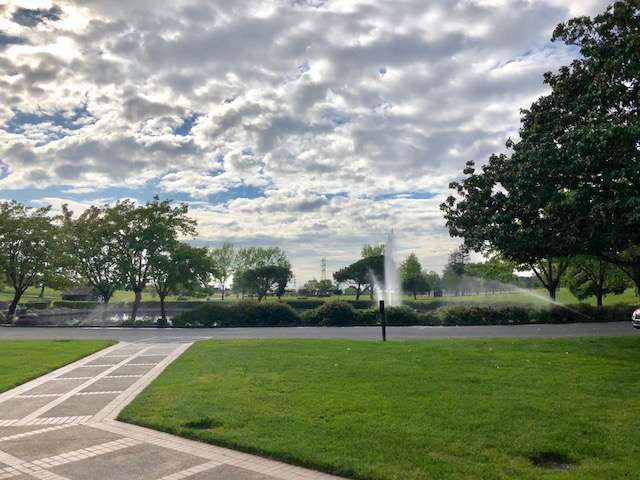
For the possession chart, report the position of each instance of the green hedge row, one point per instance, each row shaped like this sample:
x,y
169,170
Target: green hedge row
x,y
238,314
89,305
342,314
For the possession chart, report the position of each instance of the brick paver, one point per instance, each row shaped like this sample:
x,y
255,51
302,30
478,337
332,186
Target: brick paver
x,y
62,427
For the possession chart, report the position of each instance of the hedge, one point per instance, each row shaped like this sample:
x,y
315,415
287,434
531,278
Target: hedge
x,y
36,304
342,314
90,305
522,314
240,314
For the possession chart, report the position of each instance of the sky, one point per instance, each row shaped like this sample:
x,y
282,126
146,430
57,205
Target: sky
x,y
314,125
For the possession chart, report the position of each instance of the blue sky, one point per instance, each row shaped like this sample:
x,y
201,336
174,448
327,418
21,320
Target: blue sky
x,y
313,125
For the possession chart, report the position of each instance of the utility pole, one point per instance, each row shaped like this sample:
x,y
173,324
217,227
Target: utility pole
x,y
323,263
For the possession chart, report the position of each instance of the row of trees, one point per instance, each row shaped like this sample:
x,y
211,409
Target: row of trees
x,y
568,187
127,246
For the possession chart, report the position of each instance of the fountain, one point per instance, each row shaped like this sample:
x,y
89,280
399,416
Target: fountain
x,y
391,290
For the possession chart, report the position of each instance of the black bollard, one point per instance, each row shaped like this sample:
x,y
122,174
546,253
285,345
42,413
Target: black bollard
x,y
383,321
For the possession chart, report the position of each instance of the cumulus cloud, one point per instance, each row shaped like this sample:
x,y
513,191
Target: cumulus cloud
x,y
306,123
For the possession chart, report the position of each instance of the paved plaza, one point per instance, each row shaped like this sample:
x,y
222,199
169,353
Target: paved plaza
x,y
62,427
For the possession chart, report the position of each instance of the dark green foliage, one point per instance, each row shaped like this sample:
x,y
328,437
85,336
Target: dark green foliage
x,y
359,274
304,304
403,316
367,317
524,314
37,305
336,314
240,314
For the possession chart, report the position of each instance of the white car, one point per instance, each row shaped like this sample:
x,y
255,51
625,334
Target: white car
x,y
635,319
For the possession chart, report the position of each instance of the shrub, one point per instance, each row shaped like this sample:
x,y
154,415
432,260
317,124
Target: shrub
x,y
523,314
76,304
402,316
367,317
336,314
484,315
426,306
307,304
241,314
360,304
37,304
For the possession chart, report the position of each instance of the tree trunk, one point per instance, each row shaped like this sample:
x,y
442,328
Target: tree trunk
x,y
358,293
415,295
163,312
223,292
13,305
41,294
599,296
136,304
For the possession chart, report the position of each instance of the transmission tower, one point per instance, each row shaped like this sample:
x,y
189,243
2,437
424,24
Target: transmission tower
x,y
323,276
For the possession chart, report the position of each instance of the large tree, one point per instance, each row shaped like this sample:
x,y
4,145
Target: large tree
x,y
93,250
569,184
28,246
591,276
143,233
362,274
224,263
262,270
177,269
413,279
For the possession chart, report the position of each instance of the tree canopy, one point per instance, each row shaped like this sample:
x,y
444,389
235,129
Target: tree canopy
x,y
27,247
569,184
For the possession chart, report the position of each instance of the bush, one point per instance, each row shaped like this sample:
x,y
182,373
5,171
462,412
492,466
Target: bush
x,y
360,304
241,314
36,304
523,314
336,314
307,304
367,317
426,306
76,304
402,316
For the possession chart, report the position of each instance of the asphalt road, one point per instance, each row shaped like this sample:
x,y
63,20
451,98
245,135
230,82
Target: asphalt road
x,y
393,333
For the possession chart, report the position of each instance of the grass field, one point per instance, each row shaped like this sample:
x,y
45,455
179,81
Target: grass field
x,y
24,360
465,409
535,297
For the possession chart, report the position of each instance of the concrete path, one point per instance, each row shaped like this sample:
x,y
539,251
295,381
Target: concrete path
x,y
62,427
371,333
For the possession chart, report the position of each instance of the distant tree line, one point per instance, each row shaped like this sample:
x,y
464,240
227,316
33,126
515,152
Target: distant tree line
x,y
127,246
564,201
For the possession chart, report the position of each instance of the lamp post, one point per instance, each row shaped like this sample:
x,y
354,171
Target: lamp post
x,y
383,321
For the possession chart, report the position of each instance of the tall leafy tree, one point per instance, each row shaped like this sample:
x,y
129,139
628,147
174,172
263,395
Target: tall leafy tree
x,y
179,268
28,242
93,250
143,234
224,263
372,250
262,270
413,279
569,184
361,274
591,276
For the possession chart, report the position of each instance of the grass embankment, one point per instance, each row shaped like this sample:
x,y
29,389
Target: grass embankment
x,y
24,360
465,409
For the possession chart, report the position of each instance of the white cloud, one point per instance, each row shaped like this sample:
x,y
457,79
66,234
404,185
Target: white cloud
x,y
322,104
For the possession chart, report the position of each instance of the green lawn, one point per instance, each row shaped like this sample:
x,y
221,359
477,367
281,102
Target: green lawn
x,y
441,409
24,360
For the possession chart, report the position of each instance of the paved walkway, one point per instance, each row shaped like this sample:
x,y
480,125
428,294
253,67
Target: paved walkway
x,y
62,427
